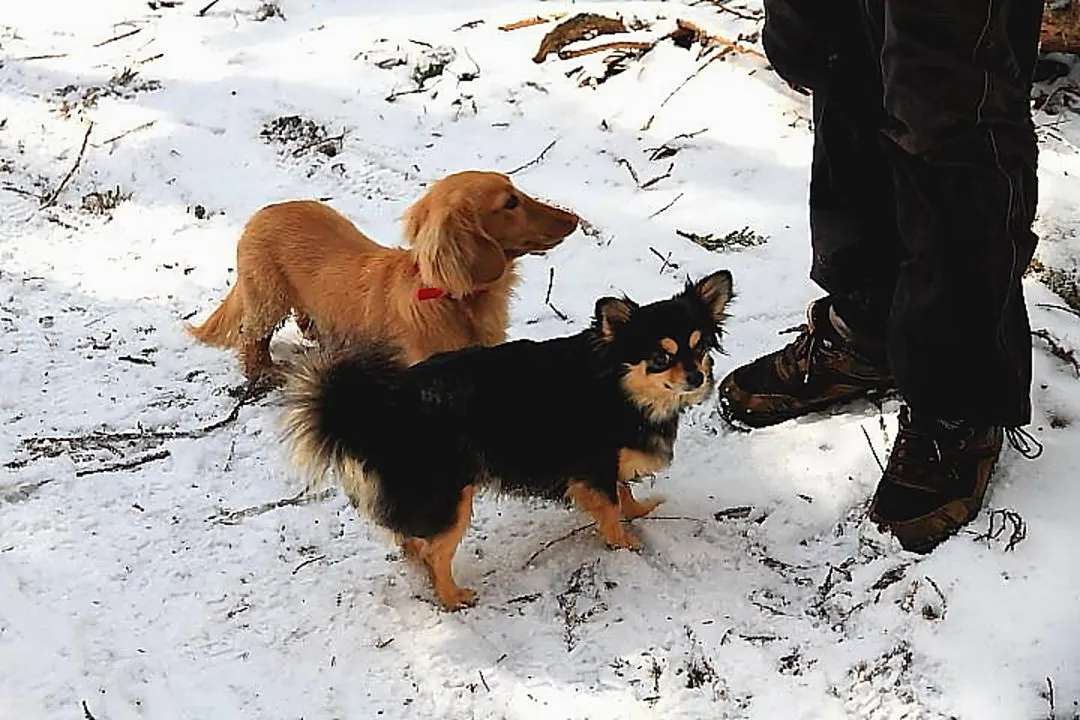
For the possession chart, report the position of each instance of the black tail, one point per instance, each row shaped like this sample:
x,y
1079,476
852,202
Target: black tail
x,y
340,405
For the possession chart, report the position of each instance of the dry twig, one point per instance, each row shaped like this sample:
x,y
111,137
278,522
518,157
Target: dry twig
x,y
1057,349
536,159
121,36
550,543
51,198
48,56
124,134
206,8
232,517
125,464
668,206
527,22
547,297
620,45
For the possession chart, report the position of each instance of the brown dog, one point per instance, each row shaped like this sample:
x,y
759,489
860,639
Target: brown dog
x,y
448,290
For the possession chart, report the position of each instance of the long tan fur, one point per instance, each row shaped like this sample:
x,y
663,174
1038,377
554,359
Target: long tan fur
x,y
464,235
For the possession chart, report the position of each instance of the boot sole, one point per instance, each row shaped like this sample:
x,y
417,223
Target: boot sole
x,y
742,419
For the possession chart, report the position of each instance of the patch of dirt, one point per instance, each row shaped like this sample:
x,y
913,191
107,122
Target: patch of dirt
x,y
268,10
101,203
300,137
431,63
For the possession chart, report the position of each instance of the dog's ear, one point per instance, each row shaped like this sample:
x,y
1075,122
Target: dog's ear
x,y
714,291
612,313
452,249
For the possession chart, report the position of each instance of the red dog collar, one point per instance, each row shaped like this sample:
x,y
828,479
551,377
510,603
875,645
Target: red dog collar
x,y
434,293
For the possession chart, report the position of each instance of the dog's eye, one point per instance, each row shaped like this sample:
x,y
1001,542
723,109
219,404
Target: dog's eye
x,y
511,202
660,360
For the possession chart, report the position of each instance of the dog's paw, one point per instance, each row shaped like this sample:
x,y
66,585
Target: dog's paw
x,y
623,539
641,508
457,598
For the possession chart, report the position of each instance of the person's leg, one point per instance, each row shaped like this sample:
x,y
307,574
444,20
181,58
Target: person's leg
x,y
957,81
840,352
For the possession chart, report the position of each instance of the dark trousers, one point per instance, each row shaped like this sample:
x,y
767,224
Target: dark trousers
x,y
923,186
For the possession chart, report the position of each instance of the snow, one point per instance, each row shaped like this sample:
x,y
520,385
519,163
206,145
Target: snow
x,y
181,588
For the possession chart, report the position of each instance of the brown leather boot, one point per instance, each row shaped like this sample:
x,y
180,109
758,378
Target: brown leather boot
x,y
817,370
935,480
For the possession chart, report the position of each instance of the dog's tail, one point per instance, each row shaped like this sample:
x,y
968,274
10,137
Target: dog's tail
x,y
342,406
222,328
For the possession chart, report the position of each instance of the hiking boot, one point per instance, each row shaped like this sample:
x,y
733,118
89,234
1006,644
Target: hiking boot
x,y
817,370
935,479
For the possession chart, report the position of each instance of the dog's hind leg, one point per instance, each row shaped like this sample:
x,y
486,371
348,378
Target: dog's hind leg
x,y
438,554
605,512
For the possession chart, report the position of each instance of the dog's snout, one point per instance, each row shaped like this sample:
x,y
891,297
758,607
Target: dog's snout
x,y
695,378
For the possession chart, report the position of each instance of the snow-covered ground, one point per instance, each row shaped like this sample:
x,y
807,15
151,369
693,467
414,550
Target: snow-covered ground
x,y
189,585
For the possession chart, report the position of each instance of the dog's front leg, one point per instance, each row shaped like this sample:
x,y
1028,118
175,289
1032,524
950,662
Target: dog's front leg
x,y
606,513
633,508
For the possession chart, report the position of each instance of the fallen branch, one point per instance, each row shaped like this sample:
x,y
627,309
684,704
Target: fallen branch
x,y
687,33
44,446
20,191
583,26
666,207
50,199
666,150
547,298
630,168
307,562
527,22
206,8
124,134
536,159
87,715
1062,308
649,183
619,45
121,36
723,53
126,464
48,56
665,261
1057,349
232,517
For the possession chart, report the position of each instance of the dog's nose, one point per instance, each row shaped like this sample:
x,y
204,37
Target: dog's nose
x,y
695,378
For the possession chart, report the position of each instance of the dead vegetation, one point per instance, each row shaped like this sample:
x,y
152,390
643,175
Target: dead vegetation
x,y
98,202
1061,27
741,238
582,599
125,84
299,137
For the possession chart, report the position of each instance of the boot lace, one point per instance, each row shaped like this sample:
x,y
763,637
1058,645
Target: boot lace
x,y
800,351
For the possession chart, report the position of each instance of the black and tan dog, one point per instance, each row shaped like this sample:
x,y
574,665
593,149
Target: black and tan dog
x,y
576,416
